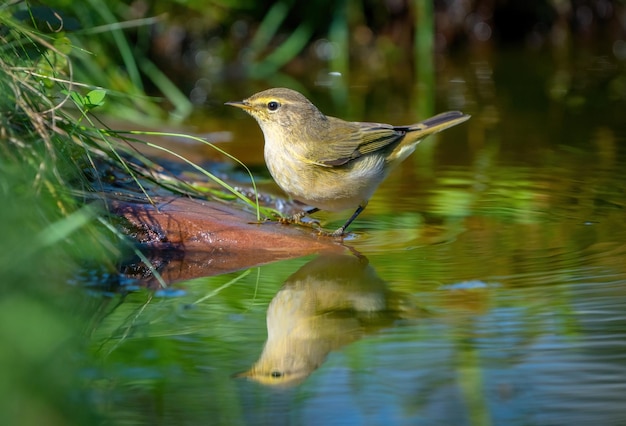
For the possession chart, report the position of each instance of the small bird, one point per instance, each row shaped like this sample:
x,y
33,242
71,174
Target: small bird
x,y
328,163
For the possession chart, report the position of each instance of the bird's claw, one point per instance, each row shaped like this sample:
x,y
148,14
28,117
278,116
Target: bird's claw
x,y
294,218
339,233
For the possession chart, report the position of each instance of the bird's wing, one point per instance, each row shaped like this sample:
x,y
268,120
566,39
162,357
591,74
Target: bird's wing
x,y
353,140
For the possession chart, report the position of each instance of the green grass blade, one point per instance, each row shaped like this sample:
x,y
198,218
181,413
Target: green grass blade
x,y
254,204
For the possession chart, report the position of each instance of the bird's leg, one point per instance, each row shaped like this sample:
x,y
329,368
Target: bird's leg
x,y
339,232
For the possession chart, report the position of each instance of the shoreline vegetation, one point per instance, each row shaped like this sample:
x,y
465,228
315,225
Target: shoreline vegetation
x,y
60,168
48,126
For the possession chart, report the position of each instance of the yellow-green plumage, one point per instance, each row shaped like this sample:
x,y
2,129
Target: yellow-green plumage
x,y
326,162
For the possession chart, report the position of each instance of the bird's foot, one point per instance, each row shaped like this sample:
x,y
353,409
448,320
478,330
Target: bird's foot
x,y
294,218
297,219
339,233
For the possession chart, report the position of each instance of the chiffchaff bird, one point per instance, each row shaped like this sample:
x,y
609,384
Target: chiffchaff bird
x,y
328,163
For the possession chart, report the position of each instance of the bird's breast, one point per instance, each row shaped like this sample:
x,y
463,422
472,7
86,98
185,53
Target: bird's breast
x,y
327,188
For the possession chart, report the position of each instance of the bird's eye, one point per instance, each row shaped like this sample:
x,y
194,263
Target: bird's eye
x,y
273,105
276,374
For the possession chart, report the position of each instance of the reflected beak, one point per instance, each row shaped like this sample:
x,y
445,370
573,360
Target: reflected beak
x,y
238,104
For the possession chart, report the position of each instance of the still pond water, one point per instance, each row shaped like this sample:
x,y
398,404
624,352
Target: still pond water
x,y
485,283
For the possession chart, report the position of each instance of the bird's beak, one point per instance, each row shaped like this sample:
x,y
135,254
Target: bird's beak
x,y
239,104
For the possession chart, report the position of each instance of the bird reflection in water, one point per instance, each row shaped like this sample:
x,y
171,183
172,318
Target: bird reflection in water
x,y
328,303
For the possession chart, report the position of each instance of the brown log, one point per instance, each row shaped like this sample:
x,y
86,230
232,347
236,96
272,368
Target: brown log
x,y
188,238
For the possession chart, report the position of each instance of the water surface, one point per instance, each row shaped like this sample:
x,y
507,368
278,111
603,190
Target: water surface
x,y
484,283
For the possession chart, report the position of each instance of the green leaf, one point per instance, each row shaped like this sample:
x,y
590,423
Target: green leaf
x,y
76,97
95,98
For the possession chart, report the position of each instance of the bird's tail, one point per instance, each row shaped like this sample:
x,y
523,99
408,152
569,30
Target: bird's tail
x,y
437,123
418,131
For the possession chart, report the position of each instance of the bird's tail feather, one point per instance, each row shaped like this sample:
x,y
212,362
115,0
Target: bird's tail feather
x,y
438,123
416,132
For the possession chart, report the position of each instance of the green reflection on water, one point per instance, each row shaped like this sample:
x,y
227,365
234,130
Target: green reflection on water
x,y
342,335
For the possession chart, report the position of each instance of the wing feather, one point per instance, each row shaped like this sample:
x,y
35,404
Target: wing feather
x,y
353,140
